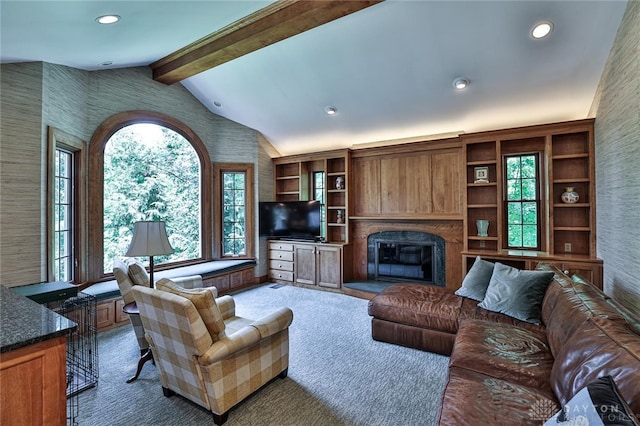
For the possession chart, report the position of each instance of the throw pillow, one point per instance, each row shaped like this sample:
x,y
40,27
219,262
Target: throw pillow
x,y
205,303
597,404
516,293
138,273
475,283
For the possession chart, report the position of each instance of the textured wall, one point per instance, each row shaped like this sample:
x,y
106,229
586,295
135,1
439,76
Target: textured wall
x,y
616,107
21,177
37,95
266,192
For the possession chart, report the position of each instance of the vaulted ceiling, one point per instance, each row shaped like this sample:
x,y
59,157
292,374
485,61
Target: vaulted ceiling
x,y
387,67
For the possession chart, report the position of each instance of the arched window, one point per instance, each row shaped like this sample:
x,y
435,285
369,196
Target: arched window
x,y
151,173
99,264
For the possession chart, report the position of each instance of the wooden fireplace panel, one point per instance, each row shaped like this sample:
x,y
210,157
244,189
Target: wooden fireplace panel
x,y
450,230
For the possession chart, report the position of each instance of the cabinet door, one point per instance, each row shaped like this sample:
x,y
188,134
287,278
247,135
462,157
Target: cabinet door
x,y
329,266
33,384
305,264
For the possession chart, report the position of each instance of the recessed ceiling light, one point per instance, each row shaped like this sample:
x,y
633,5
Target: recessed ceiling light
x,y
106,63
107,19
217,104
542,30
460,83
330,110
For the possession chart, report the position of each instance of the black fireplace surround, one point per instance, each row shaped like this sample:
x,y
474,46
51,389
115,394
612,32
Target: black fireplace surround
x,y
406,256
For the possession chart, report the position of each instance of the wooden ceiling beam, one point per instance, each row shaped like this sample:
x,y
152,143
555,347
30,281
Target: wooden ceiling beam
x,y
275,22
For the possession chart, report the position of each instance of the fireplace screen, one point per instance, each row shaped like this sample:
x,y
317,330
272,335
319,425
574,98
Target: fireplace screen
x,y
411,261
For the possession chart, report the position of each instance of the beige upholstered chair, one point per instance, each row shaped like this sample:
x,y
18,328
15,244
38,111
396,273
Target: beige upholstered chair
x,y
125,284
207,354
130,275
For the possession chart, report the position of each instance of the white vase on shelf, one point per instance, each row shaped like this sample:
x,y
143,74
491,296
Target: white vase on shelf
x,y
570,196
483,227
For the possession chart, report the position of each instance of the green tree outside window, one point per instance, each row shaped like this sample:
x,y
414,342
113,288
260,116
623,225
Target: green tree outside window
x,y
234,208
151,173
318,195
523,201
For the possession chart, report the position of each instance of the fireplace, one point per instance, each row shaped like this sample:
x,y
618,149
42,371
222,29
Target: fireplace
x,y
396,256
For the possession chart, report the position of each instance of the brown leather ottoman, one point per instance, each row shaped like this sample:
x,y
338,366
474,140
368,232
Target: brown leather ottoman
x,y
417,316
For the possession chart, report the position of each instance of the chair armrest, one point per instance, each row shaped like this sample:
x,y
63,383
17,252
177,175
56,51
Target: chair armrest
x,y
229,345
192,281
227,306
274,322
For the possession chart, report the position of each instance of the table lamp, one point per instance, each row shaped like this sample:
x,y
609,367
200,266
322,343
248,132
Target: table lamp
x,y
149,239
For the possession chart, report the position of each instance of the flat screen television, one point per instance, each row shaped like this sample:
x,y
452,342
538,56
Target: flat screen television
x,y
290,219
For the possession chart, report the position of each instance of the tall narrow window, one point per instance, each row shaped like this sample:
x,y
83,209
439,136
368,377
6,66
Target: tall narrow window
x,y
318,195
233,231
234,225
63,266
522,201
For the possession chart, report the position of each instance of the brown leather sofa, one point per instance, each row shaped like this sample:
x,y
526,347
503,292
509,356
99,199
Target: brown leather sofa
x,y
506,371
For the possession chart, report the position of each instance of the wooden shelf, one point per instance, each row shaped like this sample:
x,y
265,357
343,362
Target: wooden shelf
x,y
569,206
570,156
571,180
479,184
481,163
476,238
566,151
482,206
293,176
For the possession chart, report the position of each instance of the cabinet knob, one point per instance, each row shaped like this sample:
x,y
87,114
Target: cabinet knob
x,y
279,255
279,266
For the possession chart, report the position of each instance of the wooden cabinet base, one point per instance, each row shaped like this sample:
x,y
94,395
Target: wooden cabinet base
x,y
33,384
589,269
109,313
309,264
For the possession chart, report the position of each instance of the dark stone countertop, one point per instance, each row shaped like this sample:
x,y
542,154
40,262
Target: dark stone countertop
x,y
24,322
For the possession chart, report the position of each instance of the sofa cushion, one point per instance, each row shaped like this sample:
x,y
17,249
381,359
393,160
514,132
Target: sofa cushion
x,y
597,404
205,303
471,310
418,305
475,283
601,346
505,352
516,293
471,398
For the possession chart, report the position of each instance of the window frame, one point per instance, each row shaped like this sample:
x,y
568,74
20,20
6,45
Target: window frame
x,y
218,170
323,202
56,139
539,200
96,185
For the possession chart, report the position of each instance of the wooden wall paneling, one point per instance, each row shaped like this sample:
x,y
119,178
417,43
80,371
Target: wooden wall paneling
x,y
418,186
447,173
392,185
366,185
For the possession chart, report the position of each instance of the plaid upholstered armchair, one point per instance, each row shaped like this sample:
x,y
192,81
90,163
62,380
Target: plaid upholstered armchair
x,y
207,354
132,274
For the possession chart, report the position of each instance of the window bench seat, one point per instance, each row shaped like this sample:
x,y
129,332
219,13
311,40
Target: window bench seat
x,y
225,275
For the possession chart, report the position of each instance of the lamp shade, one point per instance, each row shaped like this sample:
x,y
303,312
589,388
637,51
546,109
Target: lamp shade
x,y
149,239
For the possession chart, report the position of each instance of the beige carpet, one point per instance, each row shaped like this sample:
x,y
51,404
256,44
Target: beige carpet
x,y
338,375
